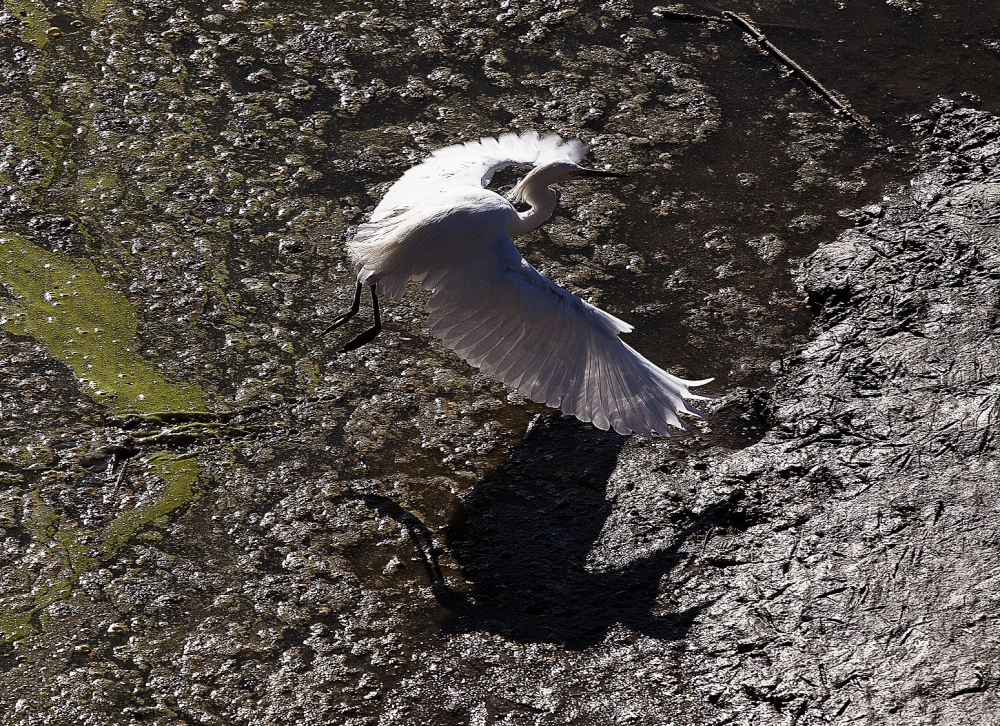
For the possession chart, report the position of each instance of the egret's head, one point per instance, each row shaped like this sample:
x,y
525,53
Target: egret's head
x,y
554,172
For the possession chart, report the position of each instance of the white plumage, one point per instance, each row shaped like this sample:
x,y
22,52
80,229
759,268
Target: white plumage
x,y
438,225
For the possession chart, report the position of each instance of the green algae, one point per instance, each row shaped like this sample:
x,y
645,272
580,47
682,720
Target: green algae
x,y
47,136
30,451
34,17
180,472
42,522
99,182
94,9
309,377
64,303
68,543
15,625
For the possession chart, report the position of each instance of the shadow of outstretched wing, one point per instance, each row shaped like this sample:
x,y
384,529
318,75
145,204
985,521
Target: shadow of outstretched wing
x,y
524,539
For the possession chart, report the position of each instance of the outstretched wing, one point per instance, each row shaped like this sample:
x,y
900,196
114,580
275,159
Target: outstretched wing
x,y
508,320
472,164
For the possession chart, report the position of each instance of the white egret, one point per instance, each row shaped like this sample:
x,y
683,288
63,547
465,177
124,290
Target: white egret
x,y
439,226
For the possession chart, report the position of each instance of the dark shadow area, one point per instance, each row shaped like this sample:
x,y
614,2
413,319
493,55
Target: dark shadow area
x,y
523,542
420,535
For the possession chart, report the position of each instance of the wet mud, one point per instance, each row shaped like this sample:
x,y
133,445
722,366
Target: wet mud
x,y
209,516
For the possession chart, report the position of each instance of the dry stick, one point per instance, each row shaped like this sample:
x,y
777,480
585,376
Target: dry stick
x,y
121,475
840,105
690,17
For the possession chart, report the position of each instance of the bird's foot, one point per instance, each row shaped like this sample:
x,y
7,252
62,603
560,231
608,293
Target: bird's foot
x,y
337,323
355,306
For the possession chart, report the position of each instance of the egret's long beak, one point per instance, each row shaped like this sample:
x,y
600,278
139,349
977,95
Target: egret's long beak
x,y
595,172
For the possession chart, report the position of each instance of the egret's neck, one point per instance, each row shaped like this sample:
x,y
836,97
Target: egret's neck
x,y
542,199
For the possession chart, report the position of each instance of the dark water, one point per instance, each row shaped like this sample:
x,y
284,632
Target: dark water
x,y
778,165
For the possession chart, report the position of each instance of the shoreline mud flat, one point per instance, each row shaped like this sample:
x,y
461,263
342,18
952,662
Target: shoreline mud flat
x,y
823,550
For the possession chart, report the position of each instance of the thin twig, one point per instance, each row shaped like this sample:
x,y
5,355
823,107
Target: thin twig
x,y
840,105
687,17
118,482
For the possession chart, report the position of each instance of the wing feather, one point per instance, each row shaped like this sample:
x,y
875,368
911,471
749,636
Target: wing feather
x,y
523,372
514,366
652,408
534,358
569,348
622,406
560,385
595,405
508,320
473,164
486,339
589,373
628,411
502,348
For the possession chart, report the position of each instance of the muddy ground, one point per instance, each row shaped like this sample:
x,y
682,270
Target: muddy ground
x,y
208,516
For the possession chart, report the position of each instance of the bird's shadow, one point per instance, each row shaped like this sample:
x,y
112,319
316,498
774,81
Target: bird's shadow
x,y
523,540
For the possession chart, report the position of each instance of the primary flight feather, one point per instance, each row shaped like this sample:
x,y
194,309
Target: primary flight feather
x,y
440,226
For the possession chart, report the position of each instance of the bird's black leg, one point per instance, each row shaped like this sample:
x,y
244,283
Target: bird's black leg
x,y
369,335
349,314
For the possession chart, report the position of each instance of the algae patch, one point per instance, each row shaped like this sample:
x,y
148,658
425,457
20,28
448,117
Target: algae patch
x,y
63,303
180,473
68,544
34,17
48,137
94,9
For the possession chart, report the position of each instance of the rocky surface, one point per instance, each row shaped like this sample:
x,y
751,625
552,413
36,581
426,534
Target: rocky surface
x,y
206,516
